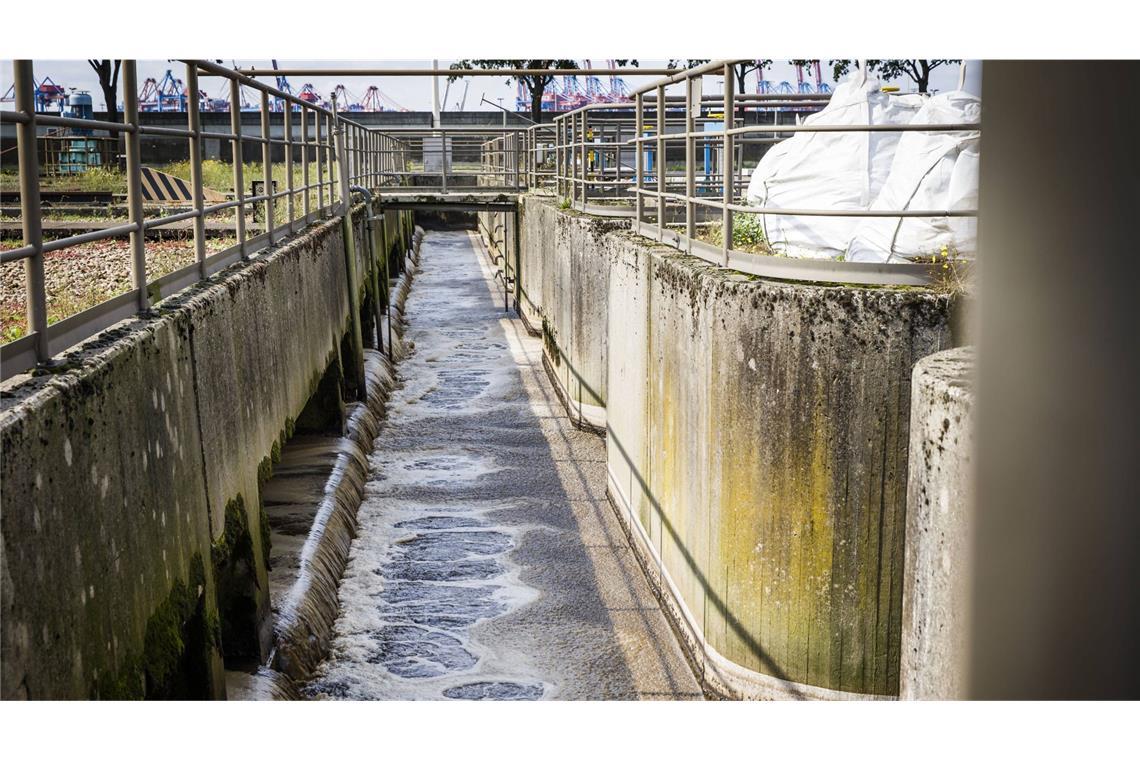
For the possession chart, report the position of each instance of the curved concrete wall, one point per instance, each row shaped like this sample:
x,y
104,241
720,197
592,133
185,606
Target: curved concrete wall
x,y
757,438
936,588
132,472
565,263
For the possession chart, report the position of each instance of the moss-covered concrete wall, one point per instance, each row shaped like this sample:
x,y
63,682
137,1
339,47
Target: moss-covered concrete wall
x,y
131,479
757,437
565,261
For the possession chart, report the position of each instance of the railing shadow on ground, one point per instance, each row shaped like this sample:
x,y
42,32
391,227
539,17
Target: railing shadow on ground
x,y
632,585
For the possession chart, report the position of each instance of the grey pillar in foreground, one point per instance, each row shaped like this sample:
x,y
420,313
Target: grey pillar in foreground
x,y
1056,610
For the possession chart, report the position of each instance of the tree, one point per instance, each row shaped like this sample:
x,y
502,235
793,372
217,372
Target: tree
x,y
917,70
535,84
109,81
741,69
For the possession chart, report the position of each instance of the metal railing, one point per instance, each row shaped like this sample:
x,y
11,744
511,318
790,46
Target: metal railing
x,y
597,149
322,138
448,159
675,164
649,170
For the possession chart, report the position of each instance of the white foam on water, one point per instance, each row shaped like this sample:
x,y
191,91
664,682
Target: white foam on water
x,y
425,573
394,468
409,625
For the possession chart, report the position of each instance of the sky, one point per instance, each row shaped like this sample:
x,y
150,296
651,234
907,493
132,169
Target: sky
x,y
413,93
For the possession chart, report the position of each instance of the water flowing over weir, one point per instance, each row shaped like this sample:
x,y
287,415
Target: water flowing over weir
x,y
311,503
487,563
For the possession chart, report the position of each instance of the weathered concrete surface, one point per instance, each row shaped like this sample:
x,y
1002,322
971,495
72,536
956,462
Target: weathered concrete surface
x,y
132,473
565,264
316,525
940,496
757,445
488,563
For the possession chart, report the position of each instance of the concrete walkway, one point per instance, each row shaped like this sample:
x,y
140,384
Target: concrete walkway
x,y
488,563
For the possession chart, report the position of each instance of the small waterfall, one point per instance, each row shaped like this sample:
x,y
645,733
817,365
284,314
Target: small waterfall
x,y
264,684
309,607
306,573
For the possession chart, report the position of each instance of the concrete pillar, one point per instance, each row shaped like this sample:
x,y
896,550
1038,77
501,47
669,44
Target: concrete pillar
x,y
936,569
1056,612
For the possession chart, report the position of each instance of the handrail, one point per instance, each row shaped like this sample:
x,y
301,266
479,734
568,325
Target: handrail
x,y
371,160
606,158
614,165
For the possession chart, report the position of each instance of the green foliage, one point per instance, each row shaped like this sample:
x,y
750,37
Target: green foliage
x,y
950,271
535,83
741,70
916,69
747,234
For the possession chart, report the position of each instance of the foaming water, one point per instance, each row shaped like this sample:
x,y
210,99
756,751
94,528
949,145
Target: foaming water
x,y
422,575
264,684
432,561
311,503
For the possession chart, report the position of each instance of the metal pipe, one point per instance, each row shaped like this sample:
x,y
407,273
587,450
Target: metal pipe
x,y
267,165
371,220
237,161
660,163
690,151
727,157
290,205
134,185
213,69
639,154
194,121
349,257
436,72
306,200
34,285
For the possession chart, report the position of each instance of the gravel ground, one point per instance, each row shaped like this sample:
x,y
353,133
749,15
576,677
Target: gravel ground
x,y
85,275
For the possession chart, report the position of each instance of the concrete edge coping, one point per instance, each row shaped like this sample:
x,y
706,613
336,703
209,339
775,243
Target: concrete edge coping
x,y
97,351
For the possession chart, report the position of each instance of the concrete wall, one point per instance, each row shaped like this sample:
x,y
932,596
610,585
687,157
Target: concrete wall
x,y
936,588
757,437
565,259
131,524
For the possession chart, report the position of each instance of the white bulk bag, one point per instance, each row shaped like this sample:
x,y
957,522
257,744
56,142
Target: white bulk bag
x,y
930,171
830,170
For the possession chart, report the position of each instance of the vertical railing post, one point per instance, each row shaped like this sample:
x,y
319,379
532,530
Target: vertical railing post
x,y
585,158
306,201
443,157
515,164
318,122
194,122
581,142
34,287
690,150
342,165
558,143
639,161
727,174
661,163
134,184
267,166
287,121
238,160
617,161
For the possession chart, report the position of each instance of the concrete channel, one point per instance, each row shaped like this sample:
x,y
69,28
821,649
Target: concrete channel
x,y
487,562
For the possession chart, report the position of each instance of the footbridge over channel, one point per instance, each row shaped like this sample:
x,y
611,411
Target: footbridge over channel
x,y
315,433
